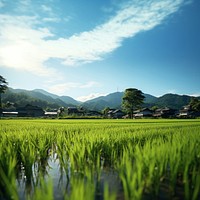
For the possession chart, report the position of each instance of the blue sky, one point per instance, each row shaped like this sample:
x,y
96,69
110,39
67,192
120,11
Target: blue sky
x,y
85,49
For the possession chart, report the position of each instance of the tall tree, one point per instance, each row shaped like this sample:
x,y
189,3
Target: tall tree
x,y
195,104
132,99
3,87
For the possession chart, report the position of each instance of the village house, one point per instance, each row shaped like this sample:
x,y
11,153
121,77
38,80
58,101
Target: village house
x,y
145,112
72,111
9,114
115,113
188,112
93,113
165,113
51,113
30,111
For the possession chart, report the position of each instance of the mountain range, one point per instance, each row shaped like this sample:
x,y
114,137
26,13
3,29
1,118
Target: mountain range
x,y
44,99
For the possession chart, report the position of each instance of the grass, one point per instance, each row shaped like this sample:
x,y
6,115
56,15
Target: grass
x,y
149,159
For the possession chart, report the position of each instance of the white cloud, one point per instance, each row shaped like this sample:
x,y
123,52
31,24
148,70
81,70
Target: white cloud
x,y
90,96
22,47
25,47
195,94
62,88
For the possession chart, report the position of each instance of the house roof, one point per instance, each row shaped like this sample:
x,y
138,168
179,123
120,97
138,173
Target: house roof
x,y
142,110
50,113
13,113
29,107
117,111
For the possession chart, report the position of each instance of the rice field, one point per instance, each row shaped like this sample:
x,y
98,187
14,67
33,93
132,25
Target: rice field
x,y
100,159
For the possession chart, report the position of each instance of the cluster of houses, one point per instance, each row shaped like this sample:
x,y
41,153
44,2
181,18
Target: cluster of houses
x,y
35,111
185,112
27,111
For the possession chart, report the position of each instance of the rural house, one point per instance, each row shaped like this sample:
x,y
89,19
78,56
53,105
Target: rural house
x,y
165,112
30,111
115,113
93,113
145,112
51,113
72,110
9,114
188,112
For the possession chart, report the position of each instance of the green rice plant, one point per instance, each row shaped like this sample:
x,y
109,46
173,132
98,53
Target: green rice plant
x,y
131,175
44,190
191,179
81,187
154,156
28,155
145,156
43,146
107,195
77,157
191,166
63,157
8,186
174,163
186,182
195,183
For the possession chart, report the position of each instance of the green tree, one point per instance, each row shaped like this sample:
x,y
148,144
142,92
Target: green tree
x,y
132,99
154,108
105,111
195,104
3,87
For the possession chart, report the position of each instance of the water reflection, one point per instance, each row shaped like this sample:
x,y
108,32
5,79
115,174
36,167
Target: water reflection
x,y
58,170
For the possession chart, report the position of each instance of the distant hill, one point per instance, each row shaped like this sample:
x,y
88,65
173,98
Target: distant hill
x,y
174,101
45,100
37,97
113,100
69,100
65,99
54,96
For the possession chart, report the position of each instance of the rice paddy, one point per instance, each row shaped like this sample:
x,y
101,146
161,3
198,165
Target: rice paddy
x,y
100,159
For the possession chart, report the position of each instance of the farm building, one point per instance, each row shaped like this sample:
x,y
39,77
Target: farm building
x,y
30,111
9,114
93,113
165,113
115,113
51,113
145,112
188,112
